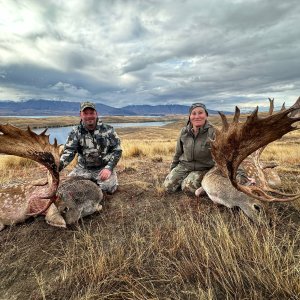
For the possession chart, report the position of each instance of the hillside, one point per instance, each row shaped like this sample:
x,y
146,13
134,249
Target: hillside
x,y
65,108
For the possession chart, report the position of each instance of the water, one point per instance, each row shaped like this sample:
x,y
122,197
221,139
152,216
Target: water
x,y
61,133
39,117
29,117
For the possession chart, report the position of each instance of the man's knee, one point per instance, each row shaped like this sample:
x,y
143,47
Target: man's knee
x,y
109,185
110,190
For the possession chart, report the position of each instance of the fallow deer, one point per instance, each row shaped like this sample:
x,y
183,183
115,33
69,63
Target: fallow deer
x,y
235,142
65,202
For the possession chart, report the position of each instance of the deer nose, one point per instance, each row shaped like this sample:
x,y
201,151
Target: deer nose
x,y
257,208
65,210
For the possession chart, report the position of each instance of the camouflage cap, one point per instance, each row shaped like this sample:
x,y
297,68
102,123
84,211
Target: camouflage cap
x,y
87,104
194,105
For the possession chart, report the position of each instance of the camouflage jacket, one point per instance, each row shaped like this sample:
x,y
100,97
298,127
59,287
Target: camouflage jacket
x,y
98,149
193,152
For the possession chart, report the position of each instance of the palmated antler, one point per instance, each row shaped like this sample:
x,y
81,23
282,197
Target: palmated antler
x,y
255,158
235,141
27,144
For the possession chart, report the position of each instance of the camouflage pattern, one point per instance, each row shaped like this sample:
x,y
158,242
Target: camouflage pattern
x,y
99,149
181,177
190,181
96,150
109,185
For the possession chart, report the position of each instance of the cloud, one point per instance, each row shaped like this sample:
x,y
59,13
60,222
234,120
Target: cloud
x,y
222,52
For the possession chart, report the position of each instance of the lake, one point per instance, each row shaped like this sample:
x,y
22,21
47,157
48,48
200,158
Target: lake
x,y
61,133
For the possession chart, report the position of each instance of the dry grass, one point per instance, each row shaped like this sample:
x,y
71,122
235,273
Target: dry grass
x,y
147,148
147,244
11,165
180,257
282,153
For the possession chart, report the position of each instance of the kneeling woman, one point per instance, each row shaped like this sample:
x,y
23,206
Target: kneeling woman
x,y
192,157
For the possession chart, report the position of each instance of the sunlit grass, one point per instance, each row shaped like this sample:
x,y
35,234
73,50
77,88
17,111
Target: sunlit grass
x,y
10,165
147,148
181,256
282,153
151,245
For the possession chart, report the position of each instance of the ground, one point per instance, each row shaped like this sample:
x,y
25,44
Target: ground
x,y
31,252
147,244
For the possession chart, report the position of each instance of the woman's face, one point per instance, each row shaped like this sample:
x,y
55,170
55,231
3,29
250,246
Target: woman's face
x,y
198,117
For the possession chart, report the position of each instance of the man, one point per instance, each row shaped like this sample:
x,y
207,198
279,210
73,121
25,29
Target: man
x,y
98,148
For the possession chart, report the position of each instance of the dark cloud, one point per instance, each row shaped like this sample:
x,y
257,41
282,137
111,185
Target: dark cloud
x,y
126,52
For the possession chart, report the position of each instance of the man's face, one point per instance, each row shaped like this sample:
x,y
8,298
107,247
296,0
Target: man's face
x,y
89,118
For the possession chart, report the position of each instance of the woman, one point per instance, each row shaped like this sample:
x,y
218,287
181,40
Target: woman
x,y
192,157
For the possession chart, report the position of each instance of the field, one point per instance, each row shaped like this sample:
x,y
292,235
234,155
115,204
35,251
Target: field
x,y
147,244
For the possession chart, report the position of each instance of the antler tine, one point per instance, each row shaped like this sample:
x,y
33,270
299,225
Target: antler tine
x,y
258,152
297,108
238,140
27,144
297,103
224,121
271,109
283,107
236,115
258,193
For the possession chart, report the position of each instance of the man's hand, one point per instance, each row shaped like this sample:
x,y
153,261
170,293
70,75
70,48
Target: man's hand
x,y
104,174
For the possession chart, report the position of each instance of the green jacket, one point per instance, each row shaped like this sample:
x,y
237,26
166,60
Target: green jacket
x,y
194,152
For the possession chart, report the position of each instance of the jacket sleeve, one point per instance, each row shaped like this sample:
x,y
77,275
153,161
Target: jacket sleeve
x,y
70,149
178,152
115,150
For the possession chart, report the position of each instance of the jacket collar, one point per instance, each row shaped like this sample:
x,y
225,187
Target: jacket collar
x,y
204,128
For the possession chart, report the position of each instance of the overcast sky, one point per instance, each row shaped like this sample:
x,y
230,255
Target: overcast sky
x,y
220,52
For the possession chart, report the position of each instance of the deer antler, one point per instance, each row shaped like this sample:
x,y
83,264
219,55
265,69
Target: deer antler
x,y
296,112
27,144
235,141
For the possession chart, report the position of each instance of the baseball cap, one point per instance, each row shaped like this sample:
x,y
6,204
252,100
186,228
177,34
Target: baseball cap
x,y
87,104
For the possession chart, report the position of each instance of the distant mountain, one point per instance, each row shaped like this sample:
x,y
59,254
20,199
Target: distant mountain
x,y
43,107
52,108
168,109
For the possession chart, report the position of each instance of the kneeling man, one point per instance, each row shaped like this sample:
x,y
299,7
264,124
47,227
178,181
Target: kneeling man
x,y
98,148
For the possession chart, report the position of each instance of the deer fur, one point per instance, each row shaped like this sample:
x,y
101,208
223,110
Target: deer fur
x,y
238,141
65,202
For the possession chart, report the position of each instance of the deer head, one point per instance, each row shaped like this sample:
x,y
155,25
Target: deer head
x,y
73,198
236,141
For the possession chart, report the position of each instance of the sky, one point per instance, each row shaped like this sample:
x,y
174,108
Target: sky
x,y
222,53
